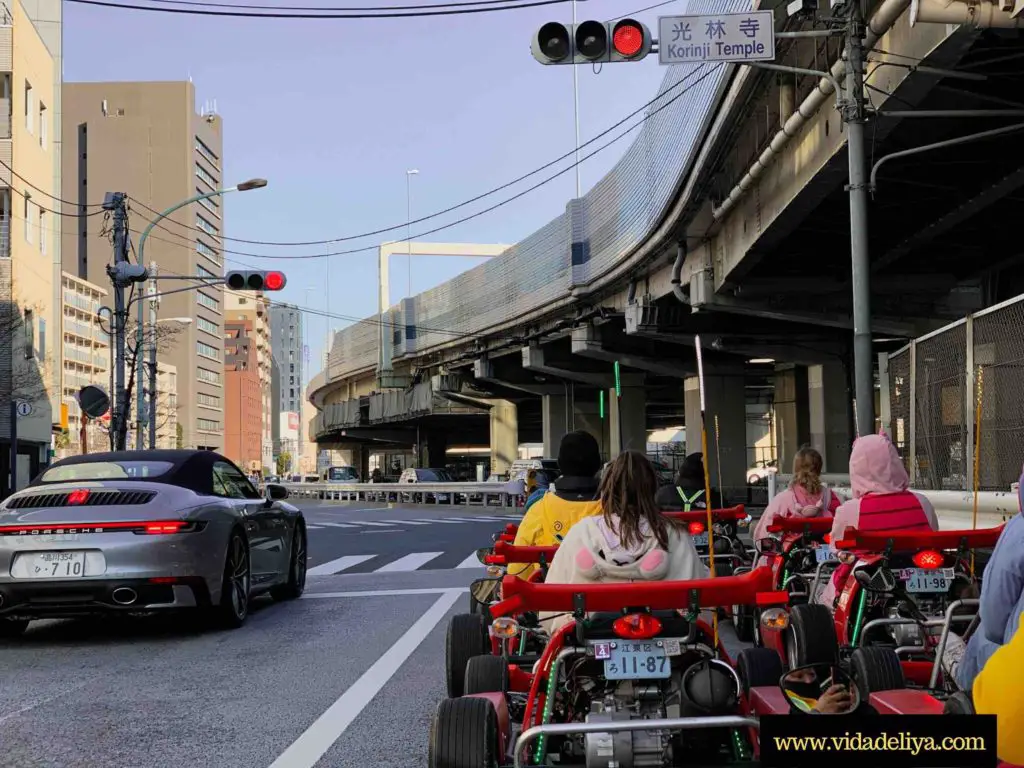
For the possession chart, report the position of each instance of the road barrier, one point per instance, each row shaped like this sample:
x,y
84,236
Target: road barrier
x,y
490,495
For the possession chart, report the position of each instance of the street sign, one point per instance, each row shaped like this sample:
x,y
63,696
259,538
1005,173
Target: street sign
x,y
24,408
736,37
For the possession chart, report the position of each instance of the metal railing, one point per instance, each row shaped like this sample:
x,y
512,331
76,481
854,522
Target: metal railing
x,y
490,495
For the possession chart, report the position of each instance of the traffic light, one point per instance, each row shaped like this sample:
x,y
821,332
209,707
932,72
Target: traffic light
x,y
594,42
255,281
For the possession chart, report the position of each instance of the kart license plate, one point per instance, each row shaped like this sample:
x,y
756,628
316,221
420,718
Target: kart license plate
x,y
824,553
700,540
920,580
630,660
51,565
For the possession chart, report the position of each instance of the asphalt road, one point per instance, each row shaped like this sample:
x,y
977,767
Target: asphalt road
x,y
346,677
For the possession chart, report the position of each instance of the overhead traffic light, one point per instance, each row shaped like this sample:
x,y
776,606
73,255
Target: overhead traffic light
x,y
255,281
592,42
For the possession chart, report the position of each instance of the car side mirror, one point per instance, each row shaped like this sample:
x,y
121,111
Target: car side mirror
x,y
482,553
768,546
276,492
820,689
483,590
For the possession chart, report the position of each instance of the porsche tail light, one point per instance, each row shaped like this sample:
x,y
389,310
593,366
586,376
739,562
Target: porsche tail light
x,y
143,527
167,526
929,559
696,529
637,626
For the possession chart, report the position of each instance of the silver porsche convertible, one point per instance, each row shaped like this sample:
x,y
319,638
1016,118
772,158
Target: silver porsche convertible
x,y
144,531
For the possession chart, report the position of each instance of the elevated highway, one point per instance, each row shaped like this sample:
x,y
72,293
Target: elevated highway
x,y
727,217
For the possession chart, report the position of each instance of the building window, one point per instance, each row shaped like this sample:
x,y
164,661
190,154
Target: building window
x,y
205,350
43,132
207,301
207,203
204,250
203,174
42,339
207,401
27,218
205,325
202,271
207,227
207,425
206,152
29,110
208,376
30,335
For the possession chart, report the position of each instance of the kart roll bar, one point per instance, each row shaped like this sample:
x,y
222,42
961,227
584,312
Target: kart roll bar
x,y
912,541
505,554
727,515
753,588
625,726
801,525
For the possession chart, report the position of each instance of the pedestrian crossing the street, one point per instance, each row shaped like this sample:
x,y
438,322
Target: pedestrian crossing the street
x,y
354,526
396,563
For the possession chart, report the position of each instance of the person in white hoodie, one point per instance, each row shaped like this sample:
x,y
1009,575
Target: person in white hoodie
x,y
630,541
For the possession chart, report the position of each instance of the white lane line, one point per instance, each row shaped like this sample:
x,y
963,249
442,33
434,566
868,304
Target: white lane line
x,y
384,592
336,566
487,517
389,530
336,525
379,525
404,522
409,563
446,522
306,751
470,562
313,527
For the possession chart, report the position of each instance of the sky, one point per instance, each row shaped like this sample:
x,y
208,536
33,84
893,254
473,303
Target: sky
x,y
334,112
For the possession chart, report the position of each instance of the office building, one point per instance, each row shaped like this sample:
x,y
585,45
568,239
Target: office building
x,y
148,140
288,350
243,395
255,308
86,361
30,352
168,435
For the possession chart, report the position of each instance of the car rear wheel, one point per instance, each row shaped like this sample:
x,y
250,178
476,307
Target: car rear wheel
x,y
13,627
811,636
233,608
758,668
486,674
876,670
467,637
464,734
296,584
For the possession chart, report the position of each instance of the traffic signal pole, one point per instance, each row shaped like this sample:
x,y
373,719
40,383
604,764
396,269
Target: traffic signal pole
x,y
154,302
117,202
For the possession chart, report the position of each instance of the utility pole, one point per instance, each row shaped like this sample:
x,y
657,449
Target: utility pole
x,y
154,303
853,115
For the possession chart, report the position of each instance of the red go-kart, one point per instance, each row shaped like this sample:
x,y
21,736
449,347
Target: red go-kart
x,y
634,667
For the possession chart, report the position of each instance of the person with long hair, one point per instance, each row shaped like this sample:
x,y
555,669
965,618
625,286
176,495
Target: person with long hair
x,y
630,540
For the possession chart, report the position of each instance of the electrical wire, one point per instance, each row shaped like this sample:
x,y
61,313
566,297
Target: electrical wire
x,y
470,201
52,196
304,15
333,9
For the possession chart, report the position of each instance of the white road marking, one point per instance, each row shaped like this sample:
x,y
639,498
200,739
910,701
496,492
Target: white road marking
x,y
389,530
336,566
470,562
410,562
313,527
380,525
306,751
405,522
384,592
336,525
446,522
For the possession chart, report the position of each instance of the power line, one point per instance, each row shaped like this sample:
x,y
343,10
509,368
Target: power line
x,y
331,9
52,196
283,15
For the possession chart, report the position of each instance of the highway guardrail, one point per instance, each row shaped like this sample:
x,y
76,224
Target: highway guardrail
x,y
490,495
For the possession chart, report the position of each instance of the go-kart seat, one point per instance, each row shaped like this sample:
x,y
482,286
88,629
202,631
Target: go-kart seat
x,y
908,701
599,625
768,700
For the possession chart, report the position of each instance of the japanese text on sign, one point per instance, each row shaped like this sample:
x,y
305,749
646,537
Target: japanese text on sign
x,y
735,37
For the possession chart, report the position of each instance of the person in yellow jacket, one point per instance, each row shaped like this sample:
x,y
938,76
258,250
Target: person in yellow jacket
x,y
573,497
997,692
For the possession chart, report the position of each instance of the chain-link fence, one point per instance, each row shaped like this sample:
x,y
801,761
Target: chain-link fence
x,y
959,388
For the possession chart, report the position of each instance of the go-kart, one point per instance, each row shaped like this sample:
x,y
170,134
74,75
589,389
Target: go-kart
x,y
803,550
617,684
730,555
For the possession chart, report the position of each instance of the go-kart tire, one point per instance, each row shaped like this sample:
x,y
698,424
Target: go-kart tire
x,y
11,628
810,637
876,669
959,704
467,637
744,618
463,734
758,667
486,674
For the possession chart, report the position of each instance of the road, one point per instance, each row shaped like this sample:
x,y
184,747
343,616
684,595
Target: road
x,y
346,677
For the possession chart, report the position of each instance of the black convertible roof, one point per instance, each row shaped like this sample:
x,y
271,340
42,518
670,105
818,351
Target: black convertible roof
x,y
192,469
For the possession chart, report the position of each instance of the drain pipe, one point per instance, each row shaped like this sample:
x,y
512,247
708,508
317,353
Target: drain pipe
x,y
677,270
979,15
884,18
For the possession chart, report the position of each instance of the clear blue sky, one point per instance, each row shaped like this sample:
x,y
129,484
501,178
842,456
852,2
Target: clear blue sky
x,y
333,113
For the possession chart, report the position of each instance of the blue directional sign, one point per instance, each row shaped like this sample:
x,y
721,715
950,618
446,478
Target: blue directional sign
x,y
736,37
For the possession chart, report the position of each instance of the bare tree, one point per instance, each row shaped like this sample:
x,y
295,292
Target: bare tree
x,y
25,376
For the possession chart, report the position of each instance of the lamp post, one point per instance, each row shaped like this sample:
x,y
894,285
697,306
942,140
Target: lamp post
x,y
153,367
245,186
408,222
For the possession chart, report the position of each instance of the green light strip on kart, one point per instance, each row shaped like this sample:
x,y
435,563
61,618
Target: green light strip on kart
x,y
539,755
860,617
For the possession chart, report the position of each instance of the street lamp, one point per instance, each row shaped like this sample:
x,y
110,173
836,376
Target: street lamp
x,y
408,222
245,186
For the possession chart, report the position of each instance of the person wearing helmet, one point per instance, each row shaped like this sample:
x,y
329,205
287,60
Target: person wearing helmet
x,y
689,492
804,692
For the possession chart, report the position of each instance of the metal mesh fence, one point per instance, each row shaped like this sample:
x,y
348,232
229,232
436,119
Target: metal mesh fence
x,y
612,219
972,368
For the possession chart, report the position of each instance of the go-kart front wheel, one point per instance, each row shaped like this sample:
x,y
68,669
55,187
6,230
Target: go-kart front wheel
x,y
811,636
876,670
467,637
464,734
758,668
486,674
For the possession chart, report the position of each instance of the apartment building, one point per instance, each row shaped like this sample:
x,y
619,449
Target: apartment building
x,y
168,435
255,308
288,350
86,360
243,395
29,358
148,140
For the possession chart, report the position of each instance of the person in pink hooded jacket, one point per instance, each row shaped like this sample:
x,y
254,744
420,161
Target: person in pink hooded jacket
x,y
805,497
881,501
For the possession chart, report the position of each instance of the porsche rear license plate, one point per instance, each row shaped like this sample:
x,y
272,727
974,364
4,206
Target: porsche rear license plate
x,y
700,539
50,565
629,660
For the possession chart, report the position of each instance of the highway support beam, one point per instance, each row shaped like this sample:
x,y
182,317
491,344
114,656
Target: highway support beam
x,y
587,342
830,404
726,400
504,430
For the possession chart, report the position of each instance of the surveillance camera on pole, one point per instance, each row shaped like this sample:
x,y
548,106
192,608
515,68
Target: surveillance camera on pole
x,y
592,42
255,281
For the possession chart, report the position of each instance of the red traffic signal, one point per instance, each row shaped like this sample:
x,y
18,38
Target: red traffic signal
x,y
592,42
628,38
255,281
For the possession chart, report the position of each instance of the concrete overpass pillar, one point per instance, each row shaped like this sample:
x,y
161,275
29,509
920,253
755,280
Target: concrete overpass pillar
x,y
725,398
830,405
504,435
433,450
627,419
554,418
586,415
792,413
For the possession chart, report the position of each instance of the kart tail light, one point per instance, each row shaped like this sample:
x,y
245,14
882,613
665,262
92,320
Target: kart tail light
x,y
505,627
637,626
75,498
775,618
929,559
696,529
828,538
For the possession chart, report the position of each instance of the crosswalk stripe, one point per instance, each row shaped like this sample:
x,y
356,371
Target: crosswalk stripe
x,y
470,562
405,522
410,562
445,522
379,525
313,527
486,517
337,525
339,565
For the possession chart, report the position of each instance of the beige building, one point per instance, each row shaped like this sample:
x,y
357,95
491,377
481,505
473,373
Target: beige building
x,y
86,361
29,347
255,308
167,433
147,140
